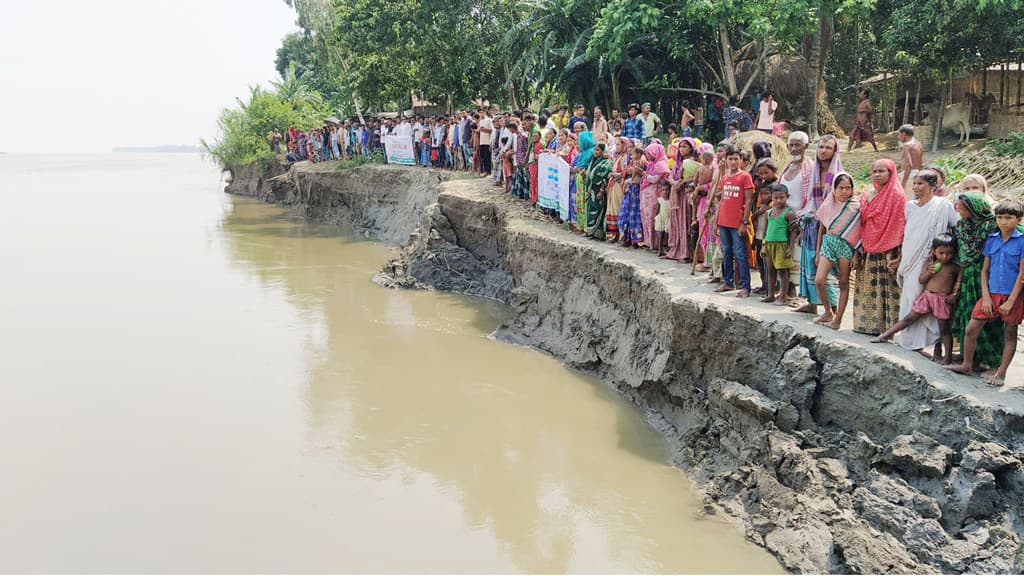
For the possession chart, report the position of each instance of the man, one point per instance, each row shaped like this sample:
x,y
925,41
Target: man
x,y
562,118
469,127
486,129
684,122
864,127
417,135
437,142
766,114
652,124
579,116
912,158
734,114
796,177
600,128
633,127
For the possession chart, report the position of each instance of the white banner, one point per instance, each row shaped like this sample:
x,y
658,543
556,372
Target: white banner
x,y
399,150
553,184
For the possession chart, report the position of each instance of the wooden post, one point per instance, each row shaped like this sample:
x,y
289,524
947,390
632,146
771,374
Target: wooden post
x,y
885,101
917,103
1020,74
938,121
984,81
906,108
1002,87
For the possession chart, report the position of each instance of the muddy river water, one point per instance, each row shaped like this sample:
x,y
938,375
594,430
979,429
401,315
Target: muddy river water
x,y
195,382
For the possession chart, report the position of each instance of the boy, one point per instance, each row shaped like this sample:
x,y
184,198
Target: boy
x,y
781,234
733,218
1000,289
940,276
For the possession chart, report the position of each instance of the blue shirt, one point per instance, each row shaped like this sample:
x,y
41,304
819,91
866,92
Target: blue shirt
x,y
1004,261
633,128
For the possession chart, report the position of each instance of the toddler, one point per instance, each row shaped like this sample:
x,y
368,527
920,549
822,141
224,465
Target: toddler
x,y
940,277
661,216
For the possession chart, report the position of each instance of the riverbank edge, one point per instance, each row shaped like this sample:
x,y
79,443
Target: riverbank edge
x,y
836,456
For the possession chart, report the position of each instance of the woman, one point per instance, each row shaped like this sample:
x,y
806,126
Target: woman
x,y
679,220
596,178
876,296
617,188
579,167
550,142
657,170
977,221
826,166
927,217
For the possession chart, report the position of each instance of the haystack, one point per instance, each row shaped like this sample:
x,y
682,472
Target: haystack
x,y
746,140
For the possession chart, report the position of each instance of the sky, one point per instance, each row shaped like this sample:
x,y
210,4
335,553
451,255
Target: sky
x,y
89,75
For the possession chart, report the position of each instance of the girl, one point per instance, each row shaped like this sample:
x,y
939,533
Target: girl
x,y
662,216
876,296
838,237
762,205
630,222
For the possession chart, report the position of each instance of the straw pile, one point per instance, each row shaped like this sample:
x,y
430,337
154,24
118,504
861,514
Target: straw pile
x,y
1005,174
746,140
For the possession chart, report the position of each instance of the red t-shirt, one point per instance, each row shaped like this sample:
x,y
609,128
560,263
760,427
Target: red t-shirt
x,y
730,212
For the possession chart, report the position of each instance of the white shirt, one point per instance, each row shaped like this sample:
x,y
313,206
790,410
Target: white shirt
x,y
404,129
796,190
766,115
485,137
417,131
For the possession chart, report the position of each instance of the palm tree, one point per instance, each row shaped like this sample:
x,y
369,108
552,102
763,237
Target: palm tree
x,y
293,89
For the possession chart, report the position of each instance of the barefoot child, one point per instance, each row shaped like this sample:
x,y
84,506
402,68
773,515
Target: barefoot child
x,y
940,277
1000,289
760,216
780,244
838,237
630,224
661,216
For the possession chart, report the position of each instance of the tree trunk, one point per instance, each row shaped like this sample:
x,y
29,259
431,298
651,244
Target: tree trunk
x,y
827,123
728,66
616,96
917,103
938,120
813,75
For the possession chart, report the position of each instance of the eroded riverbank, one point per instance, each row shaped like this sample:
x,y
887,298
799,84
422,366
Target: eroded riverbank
x,y
837,456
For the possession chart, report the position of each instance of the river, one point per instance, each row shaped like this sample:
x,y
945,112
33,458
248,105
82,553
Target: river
x,y
195,382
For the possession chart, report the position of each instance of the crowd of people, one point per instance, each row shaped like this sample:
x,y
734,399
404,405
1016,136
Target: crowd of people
x,y
929,266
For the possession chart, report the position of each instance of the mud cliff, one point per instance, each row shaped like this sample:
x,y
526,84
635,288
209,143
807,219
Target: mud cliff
x,y
836,455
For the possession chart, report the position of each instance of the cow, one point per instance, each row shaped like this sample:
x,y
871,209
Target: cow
x,y
956,118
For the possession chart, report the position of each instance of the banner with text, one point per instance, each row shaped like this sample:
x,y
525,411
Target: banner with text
x,y
553,184
399,150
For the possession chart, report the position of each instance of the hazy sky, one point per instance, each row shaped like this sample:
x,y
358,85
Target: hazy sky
x,y
88,75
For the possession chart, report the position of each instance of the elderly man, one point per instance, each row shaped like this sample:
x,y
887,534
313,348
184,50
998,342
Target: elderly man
x,y
796,177
652,123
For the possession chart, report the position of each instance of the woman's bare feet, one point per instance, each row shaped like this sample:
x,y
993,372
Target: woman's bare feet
x,y
835,323
825,318
996,380
959,368
780,301
807,309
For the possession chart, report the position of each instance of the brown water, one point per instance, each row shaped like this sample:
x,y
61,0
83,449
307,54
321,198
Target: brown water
x,y
194,382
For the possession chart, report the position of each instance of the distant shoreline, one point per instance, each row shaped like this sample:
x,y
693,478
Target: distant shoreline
x,y
165,149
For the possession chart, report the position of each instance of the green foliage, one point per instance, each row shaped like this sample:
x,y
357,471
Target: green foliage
x,y
1012,145
244,129
954,173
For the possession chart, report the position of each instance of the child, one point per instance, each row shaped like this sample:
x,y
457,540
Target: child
x,y
1000,289
779,244
940,276
700,208
661,216
838,238
630,223
764,204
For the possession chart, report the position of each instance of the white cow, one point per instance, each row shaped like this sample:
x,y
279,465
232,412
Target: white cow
x,y
957,118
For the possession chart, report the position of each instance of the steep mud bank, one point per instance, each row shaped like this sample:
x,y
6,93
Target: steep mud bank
x,y
838,456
